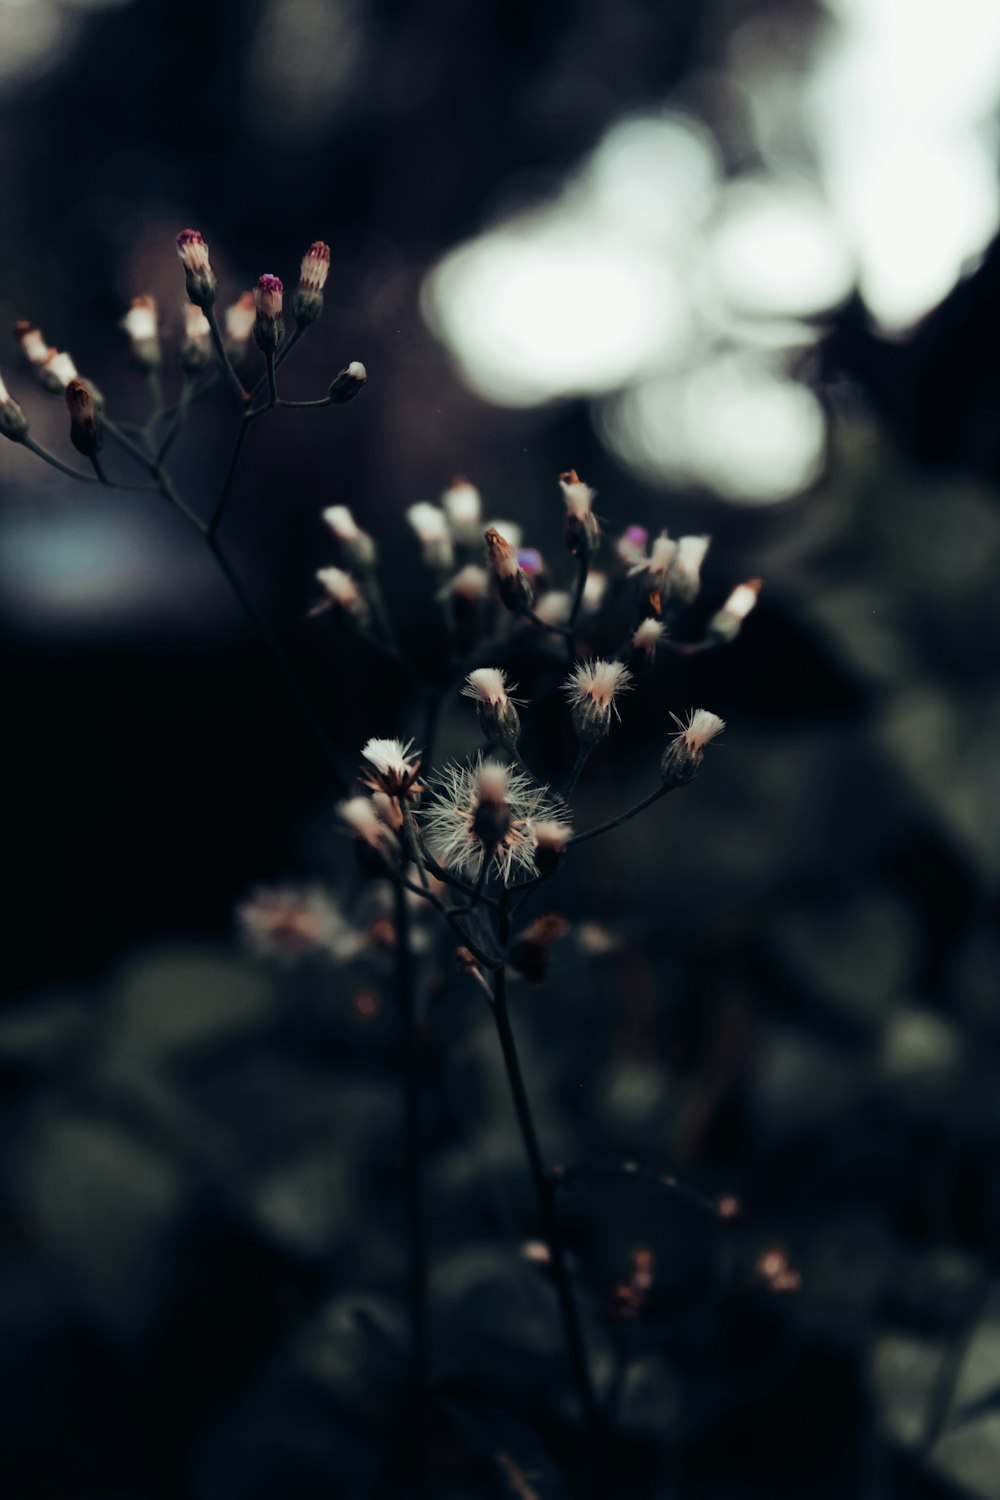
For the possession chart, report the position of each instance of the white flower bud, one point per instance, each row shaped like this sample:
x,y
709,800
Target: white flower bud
x,y
431,526
356,546
592,688
686,750
726,625
463,507
498,718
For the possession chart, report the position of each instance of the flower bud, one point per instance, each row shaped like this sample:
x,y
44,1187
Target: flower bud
x,y
195,352
532,953
582,531
498,718
33,345
140,325
348,384
592,688
513,583
198,274
84,432
56,371
653,573
686,750
307,300
269,326
726,625
464,507
432,530
550,838
631,547
357,548
594,591
391,768
343,596
13,422
239,321
373,840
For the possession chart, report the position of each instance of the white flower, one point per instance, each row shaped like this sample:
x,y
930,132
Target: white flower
x,y
686,750
594,591
392,769
647,635
357,546
342,591
487,685
140,320
579,497
288,922
592,688
486,810
631,547
33,345
550,835
463,507
659,562
365,819
685,577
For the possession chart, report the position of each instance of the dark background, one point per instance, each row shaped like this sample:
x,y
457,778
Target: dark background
x,y
796,999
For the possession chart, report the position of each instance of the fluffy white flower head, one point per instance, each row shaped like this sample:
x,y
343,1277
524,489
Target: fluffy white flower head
x,y
60,366
647,635
579,497
512,533
469,584
342,523
428,522
554,607
463,506
391,768
487,685
33,345
592,688
594,591
742,600
660,559
196,326
240,318
698,728
453,822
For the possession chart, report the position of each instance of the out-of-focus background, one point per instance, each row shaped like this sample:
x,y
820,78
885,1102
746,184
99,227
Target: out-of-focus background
x,y
736,263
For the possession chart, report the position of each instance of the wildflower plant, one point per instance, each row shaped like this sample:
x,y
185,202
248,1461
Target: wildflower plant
x,y
475,840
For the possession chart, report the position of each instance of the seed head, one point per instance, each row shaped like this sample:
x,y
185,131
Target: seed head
x,y
592,688
485,810
686,750
726,625
644,643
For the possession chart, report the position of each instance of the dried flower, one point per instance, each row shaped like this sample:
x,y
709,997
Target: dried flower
x,y
33,343
140,325
513,583
464,507
356,546
431,526
269,326
239,321
686,749
391,769
726,625
498,718
592,688
307,302
483,810
289,922
13,422
84,429
583,534
199,277
349,383
196,344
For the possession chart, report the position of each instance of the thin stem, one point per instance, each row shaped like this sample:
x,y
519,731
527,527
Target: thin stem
x,y
282,355
323,401
545,1196
179,414
215,520
57,463
413,842
98,468
412,1151
451,917
138,450
272,383
574,776
582,571
155,387
563,630
592,833
224,360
